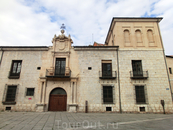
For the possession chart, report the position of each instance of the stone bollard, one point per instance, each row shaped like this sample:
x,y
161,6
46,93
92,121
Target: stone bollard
x,y
86,106
163,105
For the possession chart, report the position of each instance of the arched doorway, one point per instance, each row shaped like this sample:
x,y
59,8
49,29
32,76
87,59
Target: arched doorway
x,y
58,100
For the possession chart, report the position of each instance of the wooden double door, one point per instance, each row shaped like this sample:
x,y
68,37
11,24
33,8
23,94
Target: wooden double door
x,y
57,102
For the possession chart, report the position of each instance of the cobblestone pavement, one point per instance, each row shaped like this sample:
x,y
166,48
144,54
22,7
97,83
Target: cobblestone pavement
x,y
84,121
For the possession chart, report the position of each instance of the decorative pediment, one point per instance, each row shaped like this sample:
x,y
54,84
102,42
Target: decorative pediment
x,y
61,43
62,37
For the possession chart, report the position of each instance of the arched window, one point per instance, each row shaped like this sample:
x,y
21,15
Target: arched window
x,y
126,36
58,91
150,35
138,36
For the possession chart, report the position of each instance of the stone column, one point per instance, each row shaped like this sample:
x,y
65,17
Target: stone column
x,y
41,104
67,61
71,92
44,93
75,92
73,105
41,92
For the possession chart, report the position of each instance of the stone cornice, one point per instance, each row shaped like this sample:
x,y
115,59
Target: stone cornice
x,y
97,48
24,48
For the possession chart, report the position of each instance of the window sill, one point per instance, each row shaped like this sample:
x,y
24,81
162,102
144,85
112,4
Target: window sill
x,y
107,77
141,103
109,103
14,77
8,103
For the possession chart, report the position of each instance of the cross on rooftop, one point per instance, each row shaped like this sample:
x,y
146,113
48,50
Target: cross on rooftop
x,y
62,27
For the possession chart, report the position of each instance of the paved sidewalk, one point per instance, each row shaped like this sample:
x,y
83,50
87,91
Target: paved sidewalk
x,y
84,121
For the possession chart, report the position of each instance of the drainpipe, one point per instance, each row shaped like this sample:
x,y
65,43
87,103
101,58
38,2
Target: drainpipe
x,y
119,82
165,60
1,55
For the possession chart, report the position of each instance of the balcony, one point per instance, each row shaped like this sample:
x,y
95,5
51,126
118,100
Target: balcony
x,y
139,75
52,74
13,75
107,74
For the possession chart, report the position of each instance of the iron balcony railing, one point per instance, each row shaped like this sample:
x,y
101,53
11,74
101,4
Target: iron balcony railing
x,y
107,74
13,75
138,74
53,74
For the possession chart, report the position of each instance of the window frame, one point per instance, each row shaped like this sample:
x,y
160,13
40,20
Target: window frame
x,y
137,72
16,74
29,94
112,96
144,98
5,100
10,97
105,73
62,72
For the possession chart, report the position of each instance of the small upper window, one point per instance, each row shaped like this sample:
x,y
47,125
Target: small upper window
x,y
15,69
150,35
30,92
170,70
38,68
89,68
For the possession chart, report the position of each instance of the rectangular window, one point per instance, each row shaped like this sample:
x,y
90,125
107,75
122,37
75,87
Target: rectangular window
x,y
106,68
60,66
30,92
15,69
11,94
107,94
170,70
140,95
137,68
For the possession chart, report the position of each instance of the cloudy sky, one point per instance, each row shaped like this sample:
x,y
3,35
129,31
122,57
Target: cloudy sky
x,y
34,22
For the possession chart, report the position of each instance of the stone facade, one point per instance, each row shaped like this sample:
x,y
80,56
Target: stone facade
x,y
29,77
169,60
73,75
